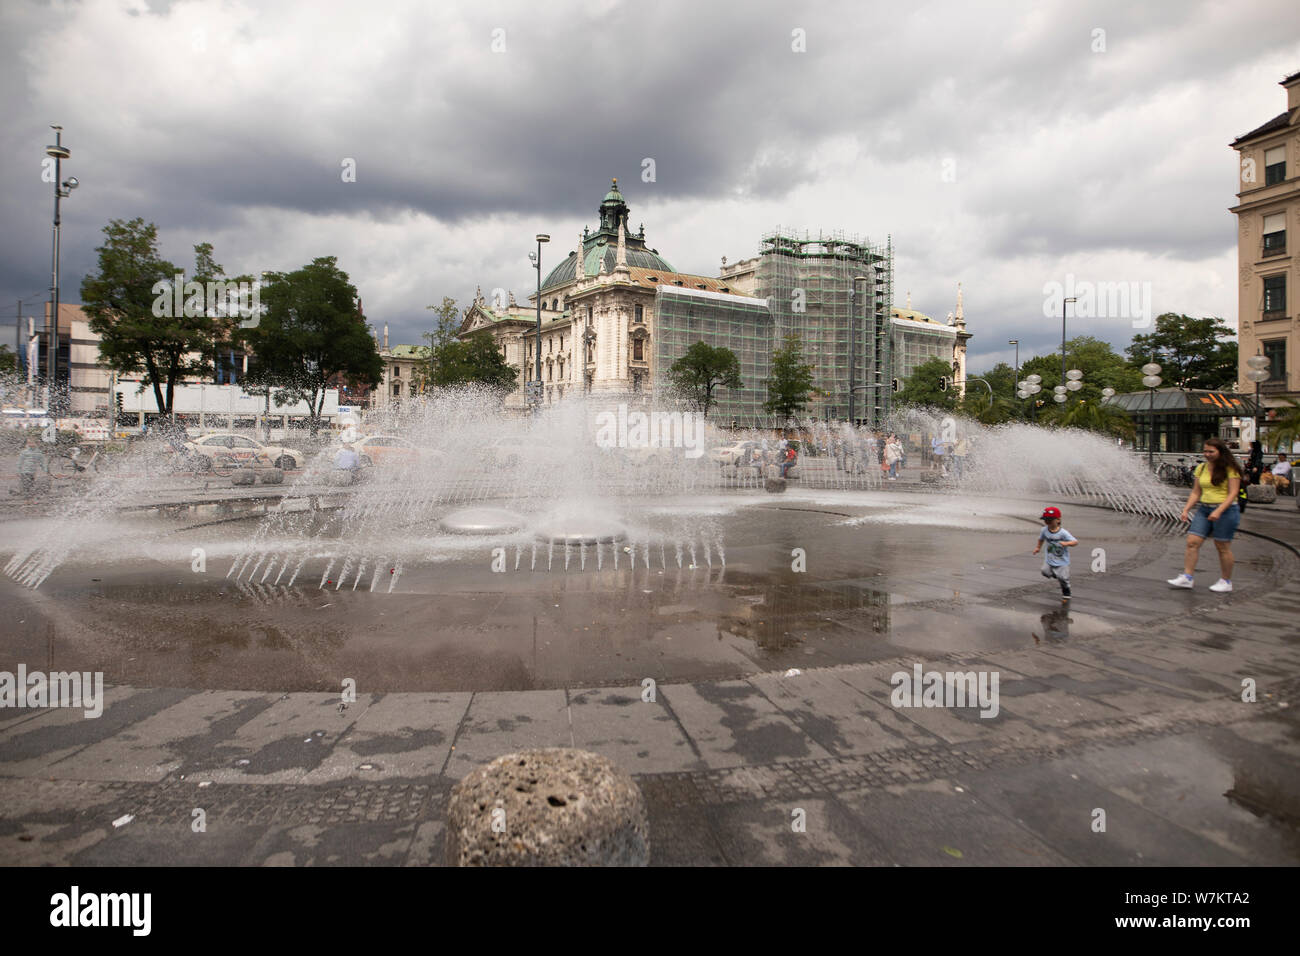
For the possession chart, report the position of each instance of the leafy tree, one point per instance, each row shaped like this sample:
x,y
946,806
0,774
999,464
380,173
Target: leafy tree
x,y
1091,416
131,305
922,386
8,360
702,369
1194,353
1100,365
474,360
791,382
445,327
311,330
1284,430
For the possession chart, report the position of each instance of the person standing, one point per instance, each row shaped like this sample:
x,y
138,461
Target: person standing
x,y
1254,463
893,455
1214,497
959,453
30,460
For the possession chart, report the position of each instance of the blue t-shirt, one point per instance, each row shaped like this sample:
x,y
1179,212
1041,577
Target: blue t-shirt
x,y
1057,554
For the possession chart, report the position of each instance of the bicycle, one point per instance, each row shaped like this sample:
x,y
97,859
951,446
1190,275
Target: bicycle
x,y
1176,474
74,462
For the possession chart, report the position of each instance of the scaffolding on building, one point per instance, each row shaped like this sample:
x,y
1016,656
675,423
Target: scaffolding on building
x,y
809,284
743,324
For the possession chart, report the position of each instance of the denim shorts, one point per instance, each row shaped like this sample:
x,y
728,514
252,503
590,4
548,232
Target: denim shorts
x,y
1221,530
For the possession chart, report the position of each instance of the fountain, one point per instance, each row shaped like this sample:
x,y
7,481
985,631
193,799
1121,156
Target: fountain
x,y
621,561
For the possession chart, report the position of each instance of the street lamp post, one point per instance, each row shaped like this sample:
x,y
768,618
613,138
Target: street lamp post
x,y
1030,387
1063,301
1016,343
1258,373
537,264
62,190
1151,379
853,347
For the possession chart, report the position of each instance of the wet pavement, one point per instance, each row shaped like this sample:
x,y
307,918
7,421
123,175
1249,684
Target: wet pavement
x,y
773,693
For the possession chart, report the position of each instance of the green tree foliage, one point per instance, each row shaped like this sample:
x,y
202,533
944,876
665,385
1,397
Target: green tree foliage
x,y
1193,353
701,370
8,360
791,382
311,331
1284,430
474,360
1092,416
922,386
131,307
1100,365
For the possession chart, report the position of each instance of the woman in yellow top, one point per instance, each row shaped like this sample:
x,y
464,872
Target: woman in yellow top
x,y
1218,480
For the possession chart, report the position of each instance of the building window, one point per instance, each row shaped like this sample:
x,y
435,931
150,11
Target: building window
x,y
638,349
636,381
397,390
561,343
1274,165
1275,234
588,315
638,314
1275,352
1274,294
397,371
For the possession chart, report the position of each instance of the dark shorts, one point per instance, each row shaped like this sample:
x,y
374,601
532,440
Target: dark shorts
x,y
1221,530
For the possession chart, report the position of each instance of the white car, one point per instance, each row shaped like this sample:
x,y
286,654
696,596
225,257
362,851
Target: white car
x,y
241,448
736,453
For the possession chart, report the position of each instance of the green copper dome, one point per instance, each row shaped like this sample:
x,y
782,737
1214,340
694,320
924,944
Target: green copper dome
x,y
603,245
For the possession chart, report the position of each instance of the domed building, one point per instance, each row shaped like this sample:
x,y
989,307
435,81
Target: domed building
x,y
598,313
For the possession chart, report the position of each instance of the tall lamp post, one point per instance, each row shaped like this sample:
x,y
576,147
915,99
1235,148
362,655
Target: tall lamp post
x,y
537,264
1258,373
853,346
1151,379
1030,387
62,189
1016,343
1063,301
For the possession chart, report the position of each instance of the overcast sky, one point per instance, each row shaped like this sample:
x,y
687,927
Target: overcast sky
x,y
1002,145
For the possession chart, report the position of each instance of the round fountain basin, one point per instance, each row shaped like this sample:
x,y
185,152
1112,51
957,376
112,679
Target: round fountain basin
x,y
481,521
580,531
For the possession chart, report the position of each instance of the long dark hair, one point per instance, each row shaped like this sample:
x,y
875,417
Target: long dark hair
x,y
1223,462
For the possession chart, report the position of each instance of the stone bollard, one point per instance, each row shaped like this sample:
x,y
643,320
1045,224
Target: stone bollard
x,y
1261,494
550,807
271,476
341,476
243,476
774,485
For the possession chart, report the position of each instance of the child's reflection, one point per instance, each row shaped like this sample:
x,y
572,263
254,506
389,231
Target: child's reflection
x,y
1056,627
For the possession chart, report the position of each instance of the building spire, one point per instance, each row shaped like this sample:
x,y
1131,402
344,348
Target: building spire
x,y
620,259
961,316
909,300
385,336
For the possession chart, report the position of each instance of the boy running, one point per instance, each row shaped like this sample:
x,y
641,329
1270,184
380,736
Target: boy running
x,y
1056,563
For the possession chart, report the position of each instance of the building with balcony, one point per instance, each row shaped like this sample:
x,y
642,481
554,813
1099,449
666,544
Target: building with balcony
x,y
1268,233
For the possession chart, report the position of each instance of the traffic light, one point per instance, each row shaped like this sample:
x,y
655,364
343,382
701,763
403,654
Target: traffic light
x,y
118,396
896,385
943,384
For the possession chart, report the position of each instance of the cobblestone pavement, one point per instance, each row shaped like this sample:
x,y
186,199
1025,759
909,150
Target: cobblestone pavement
x,y
1144,723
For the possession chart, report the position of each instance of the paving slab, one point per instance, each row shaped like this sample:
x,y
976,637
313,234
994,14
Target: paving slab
x,y
732,723
502,723
395,736
640,736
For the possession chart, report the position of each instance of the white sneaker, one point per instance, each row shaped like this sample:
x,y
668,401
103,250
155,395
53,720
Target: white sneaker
x,y
1183,581
1221,586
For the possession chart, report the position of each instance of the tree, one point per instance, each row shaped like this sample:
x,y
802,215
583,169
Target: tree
x,y
702,369
8,360
444,332
131,302
1003,406
922,386
791,383
1194,353
311,330
1092,416
474,360
1284,430
1100,365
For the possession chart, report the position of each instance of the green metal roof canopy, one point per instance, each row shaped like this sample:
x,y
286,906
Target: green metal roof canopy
x,y
1180,401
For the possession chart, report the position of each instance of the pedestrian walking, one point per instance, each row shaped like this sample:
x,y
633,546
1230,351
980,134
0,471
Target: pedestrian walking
x,y
893,455
1212,511
30,460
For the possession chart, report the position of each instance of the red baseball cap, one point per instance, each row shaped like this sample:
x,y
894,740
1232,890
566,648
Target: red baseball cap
x,y
1051,512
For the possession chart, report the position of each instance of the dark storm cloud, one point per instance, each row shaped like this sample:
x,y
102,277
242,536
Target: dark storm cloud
x,y
1041,129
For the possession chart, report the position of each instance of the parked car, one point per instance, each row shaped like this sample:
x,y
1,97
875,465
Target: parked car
x,y
735,453
224,445
385,450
